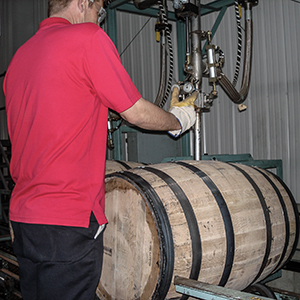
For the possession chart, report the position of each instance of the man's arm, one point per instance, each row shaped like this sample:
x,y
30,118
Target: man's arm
x,y
146,115
180,118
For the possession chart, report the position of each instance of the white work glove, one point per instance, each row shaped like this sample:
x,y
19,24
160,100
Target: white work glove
x,y
184,111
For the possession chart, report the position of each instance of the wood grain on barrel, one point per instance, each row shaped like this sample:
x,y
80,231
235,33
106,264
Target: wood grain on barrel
x,y
239,212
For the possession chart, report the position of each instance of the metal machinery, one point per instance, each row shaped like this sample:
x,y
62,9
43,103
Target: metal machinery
x,y
198,63
195,68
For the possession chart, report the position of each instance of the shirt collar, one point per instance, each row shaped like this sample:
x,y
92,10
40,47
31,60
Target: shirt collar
x,y
53,20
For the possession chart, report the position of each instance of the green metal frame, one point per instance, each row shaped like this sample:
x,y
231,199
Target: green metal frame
x,y
117,135
245,159
208,8
123,5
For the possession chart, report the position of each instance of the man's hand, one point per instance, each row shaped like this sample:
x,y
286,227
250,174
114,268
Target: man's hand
x,y
184,111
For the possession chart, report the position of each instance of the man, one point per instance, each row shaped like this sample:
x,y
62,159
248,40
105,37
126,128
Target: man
x,y
58,89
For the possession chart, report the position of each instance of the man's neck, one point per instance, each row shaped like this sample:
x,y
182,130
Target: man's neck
x,y
71,13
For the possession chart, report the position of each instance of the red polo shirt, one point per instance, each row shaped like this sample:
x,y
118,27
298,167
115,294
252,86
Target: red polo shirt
x,y
58,88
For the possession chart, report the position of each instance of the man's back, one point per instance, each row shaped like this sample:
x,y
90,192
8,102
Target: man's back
x,y
57,118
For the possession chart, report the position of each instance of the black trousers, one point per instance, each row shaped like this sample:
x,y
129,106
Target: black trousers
x,y
58,262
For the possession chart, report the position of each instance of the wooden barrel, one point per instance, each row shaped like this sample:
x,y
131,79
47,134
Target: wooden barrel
x,y
112,166
221,223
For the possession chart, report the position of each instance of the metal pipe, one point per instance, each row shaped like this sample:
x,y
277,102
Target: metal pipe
x,y
197,64
187,32
196,47
197,135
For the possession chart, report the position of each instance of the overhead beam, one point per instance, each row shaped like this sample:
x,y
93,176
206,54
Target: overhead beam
x,y
123,5
215,6
150,12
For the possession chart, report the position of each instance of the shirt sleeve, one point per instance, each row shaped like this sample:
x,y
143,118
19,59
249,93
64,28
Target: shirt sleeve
x,y
109,78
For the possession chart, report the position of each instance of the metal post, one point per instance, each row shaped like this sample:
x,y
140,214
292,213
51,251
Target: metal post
x,y
197,135
197,73
196,47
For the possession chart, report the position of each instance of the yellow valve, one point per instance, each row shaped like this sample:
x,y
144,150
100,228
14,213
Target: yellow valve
x,y
157,36
240,11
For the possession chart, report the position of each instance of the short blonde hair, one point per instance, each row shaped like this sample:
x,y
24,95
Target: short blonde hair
x,y
55,6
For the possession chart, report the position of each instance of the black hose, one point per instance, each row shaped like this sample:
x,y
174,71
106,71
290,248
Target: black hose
x,y
163,92
163,70
3,74
168,34
235,96
144,4
239,44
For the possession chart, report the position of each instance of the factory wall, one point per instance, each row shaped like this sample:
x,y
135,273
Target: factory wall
x,y
19,20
